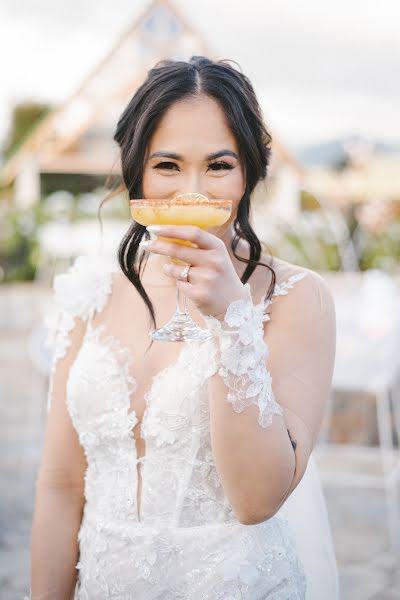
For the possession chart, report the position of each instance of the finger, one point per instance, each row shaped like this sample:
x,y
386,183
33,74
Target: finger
x,y
175,271
196,235
188,288
192,256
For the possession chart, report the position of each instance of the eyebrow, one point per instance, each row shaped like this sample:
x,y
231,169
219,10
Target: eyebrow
x,y
212,156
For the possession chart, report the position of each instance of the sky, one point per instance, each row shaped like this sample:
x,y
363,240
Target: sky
x,y
321,69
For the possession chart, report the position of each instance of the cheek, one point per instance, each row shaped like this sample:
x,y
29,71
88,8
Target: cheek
x,y
156,186
231,186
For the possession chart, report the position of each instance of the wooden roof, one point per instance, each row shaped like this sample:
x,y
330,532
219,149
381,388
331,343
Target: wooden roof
x,y
77,137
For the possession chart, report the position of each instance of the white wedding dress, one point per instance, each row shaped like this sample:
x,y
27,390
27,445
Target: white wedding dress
x,y
182,540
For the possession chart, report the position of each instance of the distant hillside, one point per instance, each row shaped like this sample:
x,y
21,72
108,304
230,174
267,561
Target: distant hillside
x,y
332,153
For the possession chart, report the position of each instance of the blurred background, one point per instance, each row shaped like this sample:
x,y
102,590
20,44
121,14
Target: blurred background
x,y
326,75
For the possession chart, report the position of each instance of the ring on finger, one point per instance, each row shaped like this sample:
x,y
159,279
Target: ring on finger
x,y
184,275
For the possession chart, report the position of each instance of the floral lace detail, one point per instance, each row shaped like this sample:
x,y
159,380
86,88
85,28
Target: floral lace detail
x,y
242,353
78,293
230,561
85,287
162,426
281,289
115,369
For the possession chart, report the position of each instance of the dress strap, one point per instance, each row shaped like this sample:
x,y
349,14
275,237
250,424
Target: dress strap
x,y
81,292
282,289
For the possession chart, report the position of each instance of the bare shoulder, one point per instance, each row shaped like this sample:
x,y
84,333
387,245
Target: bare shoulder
x,y
305,288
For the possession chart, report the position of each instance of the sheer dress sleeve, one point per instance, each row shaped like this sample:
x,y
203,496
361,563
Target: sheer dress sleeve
x,y
279,357
60,481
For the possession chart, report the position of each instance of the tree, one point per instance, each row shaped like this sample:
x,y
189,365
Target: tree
x,y
25,117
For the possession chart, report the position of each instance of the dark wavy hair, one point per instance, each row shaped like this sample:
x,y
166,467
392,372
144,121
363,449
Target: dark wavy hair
x,y
168,82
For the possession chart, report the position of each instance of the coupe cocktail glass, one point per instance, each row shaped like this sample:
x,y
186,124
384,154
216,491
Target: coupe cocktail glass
x,y
185,209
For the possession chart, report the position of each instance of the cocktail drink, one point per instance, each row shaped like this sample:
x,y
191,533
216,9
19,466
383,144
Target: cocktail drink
x,y
185,209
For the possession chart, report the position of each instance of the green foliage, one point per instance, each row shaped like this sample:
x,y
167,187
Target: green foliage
x,y
308,201
313,245
20,251
382,250
19,247
76,183
309,249
26,116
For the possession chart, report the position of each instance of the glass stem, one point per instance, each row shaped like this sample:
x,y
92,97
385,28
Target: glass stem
x,y
181,306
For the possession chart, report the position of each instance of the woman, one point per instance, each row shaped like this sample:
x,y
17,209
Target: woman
x,y
166,471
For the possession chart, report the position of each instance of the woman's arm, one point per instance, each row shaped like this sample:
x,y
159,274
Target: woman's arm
x,y
253,452
59,489
276,382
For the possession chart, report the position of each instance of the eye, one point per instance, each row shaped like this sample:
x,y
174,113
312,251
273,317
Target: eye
x,y
220,166
166,165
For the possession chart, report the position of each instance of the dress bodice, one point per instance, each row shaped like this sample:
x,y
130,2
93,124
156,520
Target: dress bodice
x,y
179,482
146,540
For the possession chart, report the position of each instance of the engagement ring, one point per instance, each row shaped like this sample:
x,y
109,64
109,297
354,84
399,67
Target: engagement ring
x,y
185,274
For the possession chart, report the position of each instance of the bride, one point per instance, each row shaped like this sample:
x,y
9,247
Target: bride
x,y
185,471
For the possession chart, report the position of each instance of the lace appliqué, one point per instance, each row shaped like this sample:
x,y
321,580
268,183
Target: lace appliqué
x,y
78,293
281,289
242,352
116,371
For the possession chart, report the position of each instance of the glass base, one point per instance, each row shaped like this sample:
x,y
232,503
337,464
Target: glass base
x,y
181,328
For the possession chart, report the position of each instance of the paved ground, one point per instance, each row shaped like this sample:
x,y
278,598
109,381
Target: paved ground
x,y
368,570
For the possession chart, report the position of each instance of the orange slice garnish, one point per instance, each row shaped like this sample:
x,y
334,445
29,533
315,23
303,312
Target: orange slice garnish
x,y
190,198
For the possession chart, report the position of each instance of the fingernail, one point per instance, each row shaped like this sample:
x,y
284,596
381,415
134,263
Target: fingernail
x,y
144,244
153,228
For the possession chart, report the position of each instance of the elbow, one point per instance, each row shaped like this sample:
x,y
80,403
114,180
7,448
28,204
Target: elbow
x,y
255,518
253,514
252,520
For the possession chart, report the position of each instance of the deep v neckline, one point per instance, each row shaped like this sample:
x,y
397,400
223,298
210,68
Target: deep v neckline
x,y
125,359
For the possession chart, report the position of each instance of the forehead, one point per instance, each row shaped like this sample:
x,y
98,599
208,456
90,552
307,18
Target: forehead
x,y
193,126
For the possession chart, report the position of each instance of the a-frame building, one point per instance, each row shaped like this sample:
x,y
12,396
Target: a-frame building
x,y
77,137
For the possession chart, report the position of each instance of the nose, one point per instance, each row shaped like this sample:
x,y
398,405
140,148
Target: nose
x,y
195,183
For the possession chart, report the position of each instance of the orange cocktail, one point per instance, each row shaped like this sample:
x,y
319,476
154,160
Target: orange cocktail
x,y
185,209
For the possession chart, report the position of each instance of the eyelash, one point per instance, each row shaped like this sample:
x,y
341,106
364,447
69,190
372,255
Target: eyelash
x,y
225,166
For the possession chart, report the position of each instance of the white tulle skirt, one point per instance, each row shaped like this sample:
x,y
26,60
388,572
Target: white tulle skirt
x,y
307,515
